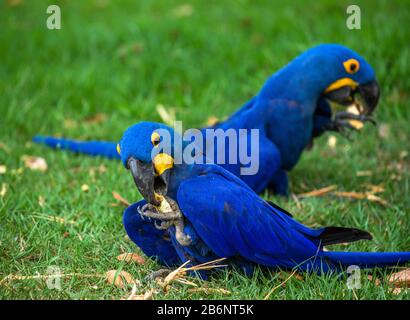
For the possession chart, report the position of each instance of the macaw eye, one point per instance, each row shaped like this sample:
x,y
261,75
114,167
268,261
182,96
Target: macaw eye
x,y
351,66
118,149
155,139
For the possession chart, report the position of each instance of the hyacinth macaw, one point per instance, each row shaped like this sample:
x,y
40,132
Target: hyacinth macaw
x,y
290,110
216,215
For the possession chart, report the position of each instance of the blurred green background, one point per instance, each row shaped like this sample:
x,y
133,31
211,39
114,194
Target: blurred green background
x,y
113,62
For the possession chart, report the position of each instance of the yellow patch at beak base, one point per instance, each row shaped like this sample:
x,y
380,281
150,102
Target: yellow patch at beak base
x,y
162,162
118,149
342,83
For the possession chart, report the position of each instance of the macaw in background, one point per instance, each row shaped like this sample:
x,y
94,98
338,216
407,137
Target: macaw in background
x,y
290,110
201,212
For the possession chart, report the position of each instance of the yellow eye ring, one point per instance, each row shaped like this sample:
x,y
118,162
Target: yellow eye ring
x,y
155,139
351,66
118,149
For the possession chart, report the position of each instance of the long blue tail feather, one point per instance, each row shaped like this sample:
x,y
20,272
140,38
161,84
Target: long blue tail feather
x,y
104,149
368,259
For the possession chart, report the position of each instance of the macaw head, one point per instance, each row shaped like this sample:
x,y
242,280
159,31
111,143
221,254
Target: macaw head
x,y
147,149
336,73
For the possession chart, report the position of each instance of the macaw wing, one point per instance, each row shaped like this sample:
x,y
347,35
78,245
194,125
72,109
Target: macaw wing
x,y
234,221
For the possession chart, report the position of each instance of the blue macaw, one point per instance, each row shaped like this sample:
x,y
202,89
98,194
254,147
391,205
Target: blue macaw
x,y
213,214
290,110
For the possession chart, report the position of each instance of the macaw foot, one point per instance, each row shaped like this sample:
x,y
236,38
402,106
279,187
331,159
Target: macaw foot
x,y
172,217
343,115
341,123
180,235
161,273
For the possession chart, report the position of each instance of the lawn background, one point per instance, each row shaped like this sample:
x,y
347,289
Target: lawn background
x,y
121,59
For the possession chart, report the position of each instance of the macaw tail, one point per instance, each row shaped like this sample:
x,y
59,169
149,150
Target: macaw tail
x,y
368,259
104,149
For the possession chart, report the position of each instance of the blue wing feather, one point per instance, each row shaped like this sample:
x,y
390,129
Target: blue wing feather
x,y
233,221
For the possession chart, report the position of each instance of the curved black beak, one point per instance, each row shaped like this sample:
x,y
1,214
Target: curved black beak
x,y
368,93
148,183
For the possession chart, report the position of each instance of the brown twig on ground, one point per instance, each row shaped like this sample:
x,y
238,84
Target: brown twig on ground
x,y
279,285
119,198
317,192
53,218
12,277
210,290
361,196
181,271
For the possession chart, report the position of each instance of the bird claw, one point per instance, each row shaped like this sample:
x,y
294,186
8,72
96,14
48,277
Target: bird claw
x,y
167,219
343,115
161,273
183,239
150,211
164,225
341,123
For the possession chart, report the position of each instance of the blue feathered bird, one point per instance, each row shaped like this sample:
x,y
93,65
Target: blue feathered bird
x,y
201,212
290,110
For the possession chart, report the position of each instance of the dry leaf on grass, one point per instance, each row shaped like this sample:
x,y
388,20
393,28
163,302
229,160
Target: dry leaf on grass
x,y
375,188
296,199
360,196
129,49
364,173
5,148
96,118
209,291
332,141
384,130
17,172
69,124
317,192
12,277
3,190
13,3
41,201
368,195
34,163
179,273
376,281
167,114
53,219
350,194
148,295
119,278
99,169
3,169
400,279
85,188
377,199
131,257
119,198
397,290
184,10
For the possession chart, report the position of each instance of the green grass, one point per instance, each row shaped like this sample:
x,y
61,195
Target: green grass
x,y
124,59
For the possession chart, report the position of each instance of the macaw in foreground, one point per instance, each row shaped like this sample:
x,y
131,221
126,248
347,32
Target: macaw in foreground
x,y
201,212
290,110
